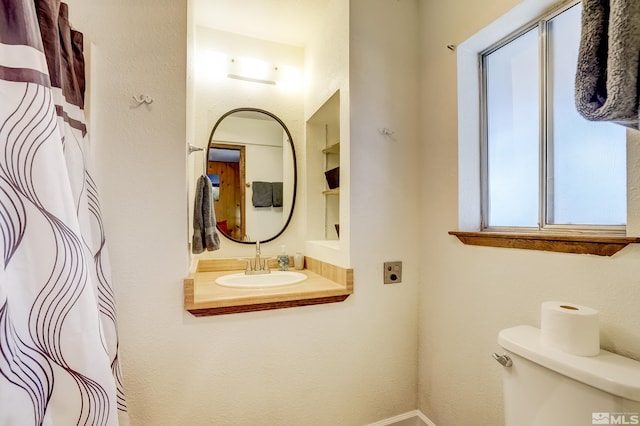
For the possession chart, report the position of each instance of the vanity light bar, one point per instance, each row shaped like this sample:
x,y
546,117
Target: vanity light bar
x,y
253,70
216,65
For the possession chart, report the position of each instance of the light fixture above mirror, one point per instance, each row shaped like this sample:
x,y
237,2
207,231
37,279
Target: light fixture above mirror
x,y
217,65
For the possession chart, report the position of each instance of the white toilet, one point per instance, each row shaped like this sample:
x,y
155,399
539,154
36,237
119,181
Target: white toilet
x,y
547,387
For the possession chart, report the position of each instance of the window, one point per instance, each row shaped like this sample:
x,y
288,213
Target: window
x,y
544,167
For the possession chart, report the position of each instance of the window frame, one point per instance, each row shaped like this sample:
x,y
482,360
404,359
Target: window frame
x,y
469,231
545,109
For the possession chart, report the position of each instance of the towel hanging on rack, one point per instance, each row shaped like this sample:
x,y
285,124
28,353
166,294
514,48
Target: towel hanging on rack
x,y
205,235
607,74
277,193
262,194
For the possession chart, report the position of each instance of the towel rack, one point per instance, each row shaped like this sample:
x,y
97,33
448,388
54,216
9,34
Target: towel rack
x,y
193,148
206,161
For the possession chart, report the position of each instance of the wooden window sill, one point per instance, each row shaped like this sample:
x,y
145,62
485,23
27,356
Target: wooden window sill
x,y
203,297
599,245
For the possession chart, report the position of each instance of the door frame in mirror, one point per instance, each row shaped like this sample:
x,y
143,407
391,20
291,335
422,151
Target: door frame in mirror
x,y
241,189
293,155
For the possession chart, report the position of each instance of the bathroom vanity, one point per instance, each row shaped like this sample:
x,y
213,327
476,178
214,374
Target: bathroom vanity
x,y
325,283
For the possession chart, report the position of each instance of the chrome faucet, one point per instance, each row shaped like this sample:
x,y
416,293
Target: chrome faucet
x,y
259,266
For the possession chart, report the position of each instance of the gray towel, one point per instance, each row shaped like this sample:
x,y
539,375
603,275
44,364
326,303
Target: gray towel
x,y
262,194
204,221
277,194
607,74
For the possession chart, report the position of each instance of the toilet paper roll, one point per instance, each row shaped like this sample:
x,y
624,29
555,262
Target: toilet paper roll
x,y
571,328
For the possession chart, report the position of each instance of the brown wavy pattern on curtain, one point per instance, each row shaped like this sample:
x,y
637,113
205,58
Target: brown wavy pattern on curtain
x,y
58,338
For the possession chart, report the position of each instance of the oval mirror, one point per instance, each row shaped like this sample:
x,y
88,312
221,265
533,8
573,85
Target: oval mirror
x,y
251,162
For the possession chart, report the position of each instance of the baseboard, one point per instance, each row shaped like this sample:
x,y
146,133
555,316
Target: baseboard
x,y
411,418
427,421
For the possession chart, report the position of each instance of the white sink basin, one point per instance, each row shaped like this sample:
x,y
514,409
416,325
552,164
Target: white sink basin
x,y
274,279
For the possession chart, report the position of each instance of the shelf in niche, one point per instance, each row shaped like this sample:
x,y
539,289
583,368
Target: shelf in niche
x,y
334,191
332,149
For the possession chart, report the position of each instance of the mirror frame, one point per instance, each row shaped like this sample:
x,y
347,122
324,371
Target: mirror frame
x,y
295,167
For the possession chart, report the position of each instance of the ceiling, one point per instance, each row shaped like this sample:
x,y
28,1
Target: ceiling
x,y
290,22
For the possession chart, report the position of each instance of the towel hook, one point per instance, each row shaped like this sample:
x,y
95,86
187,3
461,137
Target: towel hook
x,y
143,99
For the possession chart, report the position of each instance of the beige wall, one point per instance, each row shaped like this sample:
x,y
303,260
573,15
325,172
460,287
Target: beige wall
x,y
349,363
469,293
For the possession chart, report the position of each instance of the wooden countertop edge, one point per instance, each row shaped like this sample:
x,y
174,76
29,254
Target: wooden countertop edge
x,y
200,311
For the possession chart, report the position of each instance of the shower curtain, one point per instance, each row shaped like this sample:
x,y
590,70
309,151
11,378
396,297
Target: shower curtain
x,y
58,342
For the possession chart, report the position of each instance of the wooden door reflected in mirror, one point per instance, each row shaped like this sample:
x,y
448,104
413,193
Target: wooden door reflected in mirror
x,y
226,170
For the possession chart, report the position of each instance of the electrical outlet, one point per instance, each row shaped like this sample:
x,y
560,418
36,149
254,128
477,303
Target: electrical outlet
x,y
392,272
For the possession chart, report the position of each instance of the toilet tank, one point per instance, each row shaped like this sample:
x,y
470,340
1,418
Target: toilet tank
x,y
547,387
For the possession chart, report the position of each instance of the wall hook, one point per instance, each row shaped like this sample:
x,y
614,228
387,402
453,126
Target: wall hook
x,y
143,99
451,47
385,131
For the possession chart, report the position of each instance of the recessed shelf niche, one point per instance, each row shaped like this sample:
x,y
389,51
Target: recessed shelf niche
x,y
323,154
